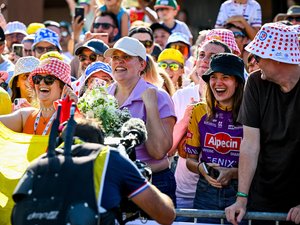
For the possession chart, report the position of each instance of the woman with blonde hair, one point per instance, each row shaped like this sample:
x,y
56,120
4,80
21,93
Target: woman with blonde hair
x,y
151,74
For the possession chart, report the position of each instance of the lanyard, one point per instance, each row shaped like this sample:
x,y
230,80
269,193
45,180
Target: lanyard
x,y
37,120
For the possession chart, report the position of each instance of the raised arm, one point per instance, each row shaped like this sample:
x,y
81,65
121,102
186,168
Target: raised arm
x,y
180,129
249,152
160,131
124,25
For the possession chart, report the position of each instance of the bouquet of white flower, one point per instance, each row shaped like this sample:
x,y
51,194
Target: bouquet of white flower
x,y
97,103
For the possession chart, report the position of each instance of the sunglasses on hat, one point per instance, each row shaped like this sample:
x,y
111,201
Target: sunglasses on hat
x,y
238,34
172,66
147,43
291,18
105,26
49,80
184,49
92,57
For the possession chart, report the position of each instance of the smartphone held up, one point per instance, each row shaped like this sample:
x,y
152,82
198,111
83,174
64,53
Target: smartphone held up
x,y
18,49
79,12
18,103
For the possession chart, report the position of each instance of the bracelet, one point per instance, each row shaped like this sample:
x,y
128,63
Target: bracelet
x,y
241,194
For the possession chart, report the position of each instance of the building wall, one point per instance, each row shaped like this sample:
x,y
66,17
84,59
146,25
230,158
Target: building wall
x,y
26,11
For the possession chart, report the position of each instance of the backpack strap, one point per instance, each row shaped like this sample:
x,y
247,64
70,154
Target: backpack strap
x,y
100,168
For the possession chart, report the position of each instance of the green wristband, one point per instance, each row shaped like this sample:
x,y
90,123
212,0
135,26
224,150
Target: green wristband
x,y
241,194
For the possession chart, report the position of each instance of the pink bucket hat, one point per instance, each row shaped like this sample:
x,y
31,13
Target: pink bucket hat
x,y
225,36
278,42
54,67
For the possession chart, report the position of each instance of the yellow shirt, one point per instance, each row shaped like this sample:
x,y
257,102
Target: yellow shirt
x,y
5,102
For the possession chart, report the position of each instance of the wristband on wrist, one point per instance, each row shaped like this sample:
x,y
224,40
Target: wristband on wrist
x,y
241,194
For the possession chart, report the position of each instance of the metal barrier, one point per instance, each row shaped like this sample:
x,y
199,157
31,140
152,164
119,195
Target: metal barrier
x,y
198,213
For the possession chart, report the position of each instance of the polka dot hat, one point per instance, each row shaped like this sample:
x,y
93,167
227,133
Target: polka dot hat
x,y
278,42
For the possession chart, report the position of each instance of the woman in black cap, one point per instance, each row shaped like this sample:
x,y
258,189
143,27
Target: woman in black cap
x,y
214,136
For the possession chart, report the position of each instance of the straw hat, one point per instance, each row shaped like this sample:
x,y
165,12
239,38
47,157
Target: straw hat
x,y
24,64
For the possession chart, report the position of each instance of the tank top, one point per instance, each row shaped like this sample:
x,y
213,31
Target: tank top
x,y
29,124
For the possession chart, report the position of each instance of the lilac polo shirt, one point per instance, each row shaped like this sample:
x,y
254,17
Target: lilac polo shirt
x,y
137,109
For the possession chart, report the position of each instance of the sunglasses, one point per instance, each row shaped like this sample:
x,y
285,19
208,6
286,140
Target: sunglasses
x,y
172,66
91,57
291,18
49,80
24,76
238,34
105,26
257,58
182,48
18,36
41,50
147,44
27,51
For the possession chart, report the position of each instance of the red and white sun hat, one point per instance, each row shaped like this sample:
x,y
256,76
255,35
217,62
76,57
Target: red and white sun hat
x,y
278,42
54,67
225,36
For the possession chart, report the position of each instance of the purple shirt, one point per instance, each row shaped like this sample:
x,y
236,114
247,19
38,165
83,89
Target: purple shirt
x,y
218,140
136,106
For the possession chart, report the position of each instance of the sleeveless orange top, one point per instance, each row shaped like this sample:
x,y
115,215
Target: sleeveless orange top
x,y
29,124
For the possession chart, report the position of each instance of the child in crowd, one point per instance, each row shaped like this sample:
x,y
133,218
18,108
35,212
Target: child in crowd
x,y
167,11
243,13
141,11
172,61
115,7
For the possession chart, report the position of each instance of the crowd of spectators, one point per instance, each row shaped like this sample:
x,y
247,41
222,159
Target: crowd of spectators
x,y
221,112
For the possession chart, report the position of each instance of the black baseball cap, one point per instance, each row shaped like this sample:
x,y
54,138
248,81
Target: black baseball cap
x,y
155,26
226,63
95,45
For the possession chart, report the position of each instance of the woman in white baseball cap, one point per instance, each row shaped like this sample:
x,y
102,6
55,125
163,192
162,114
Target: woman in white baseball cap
x,y
147,102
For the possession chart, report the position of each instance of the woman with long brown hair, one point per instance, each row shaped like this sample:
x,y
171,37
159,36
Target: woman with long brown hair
x,y
214,135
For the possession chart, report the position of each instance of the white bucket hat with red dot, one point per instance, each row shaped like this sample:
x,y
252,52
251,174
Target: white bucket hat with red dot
x,y
278,42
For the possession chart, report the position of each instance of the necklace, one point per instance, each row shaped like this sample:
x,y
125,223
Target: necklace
x,y
37,120
47,109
